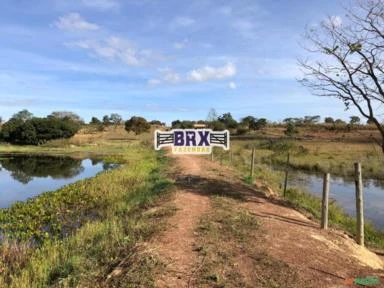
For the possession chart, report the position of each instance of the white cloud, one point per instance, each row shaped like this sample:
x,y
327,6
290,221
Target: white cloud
x,y
212,73
232,85
198,75
170,76
334,21
73,21
114,48
182,21
101,4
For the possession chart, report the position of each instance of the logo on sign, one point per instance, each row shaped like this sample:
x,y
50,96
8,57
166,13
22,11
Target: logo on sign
x,y
191,141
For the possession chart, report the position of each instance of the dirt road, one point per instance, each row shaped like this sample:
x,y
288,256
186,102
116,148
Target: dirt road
x,y
317,258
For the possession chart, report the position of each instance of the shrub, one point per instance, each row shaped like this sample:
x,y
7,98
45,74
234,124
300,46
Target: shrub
x,y
137,124
36,131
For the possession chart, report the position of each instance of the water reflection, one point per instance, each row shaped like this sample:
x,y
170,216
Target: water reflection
x,y
26,176
342,190
23,168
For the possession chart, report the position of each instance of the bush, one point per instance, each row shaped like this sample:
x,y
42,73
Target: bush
x,y
36,131
291,130
137,124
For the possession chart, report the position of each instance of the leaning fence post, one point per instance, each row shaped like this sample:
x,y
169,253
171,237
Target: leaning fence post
x,y
359,205
286,175
253,162
324,206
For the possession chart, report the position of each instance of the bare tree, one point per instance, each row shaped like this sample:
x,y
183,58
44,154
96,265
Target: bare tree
x,y
348,60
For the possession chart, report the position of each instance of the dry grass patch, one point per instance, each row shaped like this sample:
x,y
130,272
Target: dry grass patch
x,y
230,243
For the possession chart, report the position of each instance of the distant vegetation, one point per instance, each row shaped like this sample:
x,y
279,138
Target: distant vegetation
x,y
23,128
137,125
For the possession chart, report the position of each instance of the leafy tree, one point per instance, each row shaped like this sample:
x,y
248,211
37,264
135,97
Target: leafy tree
x,y
258,124
176,124
22,115
329,120
157,122
340,122
67,115
228,120
115,119
349,60
291,130
354,120
185,124
296,121
37,130
248,121
95,121
137,124
311,119
106,120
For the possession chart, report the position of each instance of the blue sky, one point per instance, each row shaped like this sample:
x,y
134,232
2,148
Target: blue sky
x,y
162,60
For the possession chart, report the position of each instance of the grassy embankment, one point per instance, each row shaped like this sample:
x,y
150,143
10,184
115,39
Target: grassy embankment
x,y
319,150
85,231
310,156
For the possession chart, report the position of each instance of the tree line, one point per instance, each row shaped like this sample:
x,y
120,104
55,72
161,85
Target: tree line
x,y
25,129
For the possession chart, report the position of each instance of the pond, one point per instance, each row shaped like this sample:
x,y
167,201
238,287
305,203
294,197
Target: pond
x,y
26,176
342,190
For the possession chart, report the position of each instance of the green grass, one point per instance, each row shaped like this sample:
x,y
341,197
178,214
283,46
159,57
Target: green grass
x,y
82,233
316,156
298,198
336,217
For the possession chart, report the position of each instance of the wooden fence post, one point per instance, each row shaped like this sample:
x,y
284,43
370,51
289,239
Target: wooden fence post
x,y
324,207
359,205
253,162
286,175
212,155
231,156
221,159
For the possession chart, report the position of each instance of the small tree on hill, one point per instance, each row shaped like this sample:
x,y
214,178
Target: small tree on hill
x,y
291,130
228,120
354,120
137,124
115,119
95,121
106,120
258,124
248,121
